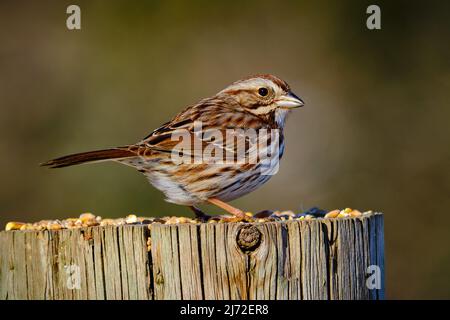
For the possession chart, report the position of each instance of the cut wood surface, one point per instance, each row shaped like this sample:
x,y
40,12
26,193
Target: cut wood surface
x,y
300,259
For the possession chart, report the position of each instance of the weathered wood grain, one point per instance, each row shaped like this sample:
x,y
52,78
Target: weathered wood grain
x,y
306,259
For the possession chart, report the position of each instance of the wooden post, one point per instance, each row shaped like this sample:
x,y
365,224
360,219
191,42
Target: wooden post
x,y
339,258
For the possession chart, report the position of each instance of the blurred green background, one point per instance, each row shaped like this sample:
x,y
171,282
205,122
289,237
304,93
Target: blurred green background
x,y
374,134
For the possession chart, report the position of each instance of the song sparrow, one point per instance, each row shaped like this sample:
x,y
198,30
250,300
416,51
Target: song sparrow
x,y
260,102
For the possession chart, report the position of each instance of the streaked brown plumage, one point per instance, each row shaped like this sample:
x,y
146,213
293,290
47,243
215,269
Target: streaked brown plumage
x,y
257,102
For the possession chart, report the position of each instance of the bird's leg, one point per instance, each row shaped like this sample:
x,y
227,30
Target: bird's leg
x,y
200,214
239,214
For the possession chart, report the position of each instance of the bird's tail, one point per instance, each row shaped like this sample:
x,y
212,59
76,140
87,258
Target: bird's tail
x,y
90,156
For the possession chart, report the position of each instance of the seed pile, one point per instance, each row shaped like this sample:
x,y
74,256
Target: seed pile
x,y
90,220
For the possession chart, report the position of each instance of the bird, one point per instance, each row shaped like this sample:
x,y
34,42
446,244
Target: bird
x,y
256,104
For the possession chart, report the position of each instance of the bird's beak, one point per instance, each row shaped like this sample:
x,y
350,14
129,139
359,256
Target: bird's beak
x,y
289,101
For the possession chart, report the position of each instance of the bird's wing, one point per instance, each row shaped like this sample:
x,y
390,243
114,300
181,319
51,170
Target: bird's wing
x,y
205,126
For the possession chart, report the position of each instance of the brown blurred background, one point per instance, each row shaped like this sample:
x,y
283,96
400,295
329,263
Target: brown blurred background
x,y
374,134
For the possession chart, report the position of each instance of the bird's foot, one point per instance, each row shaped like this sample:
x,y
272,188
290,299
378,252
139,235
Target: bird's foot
x,y
241,218
200,215
238,214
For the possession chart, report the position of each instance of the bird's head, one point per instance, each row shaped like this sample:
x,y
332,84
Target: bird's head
x,y
264,95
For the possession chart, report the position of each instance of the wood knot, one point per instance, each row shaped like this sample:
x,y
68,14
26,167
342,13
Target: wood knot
x,y
248,238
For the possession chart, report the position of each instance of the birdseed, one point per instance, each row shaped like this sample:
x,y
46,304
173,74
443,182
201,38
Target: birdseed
x,y
89,220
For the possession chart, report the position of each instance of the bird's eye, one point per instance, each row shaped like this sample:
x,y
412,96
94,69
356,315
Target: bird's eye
x,y
263,92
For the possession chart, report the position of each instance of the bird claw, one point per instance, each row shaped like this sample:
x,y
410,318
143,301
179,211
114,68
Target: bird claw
x,y
239,216
200,215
